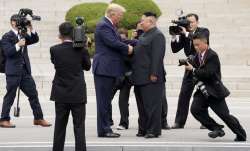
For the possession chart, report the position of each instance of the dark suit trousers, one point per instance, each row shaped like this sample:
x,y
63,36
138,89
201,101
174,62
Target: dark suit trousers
x,y
28,86
199,110
104,93
62,114
164,111
124,104
187,88
149,103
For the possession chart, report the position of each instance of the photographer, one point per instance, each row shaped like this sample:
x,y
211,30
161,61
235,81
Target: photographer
x,y
18,72
184,41
69,88
210,91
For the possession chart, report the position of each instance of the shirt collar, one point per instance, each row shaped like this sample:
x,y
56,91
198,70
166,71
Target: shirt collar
x,y
109,20
15,31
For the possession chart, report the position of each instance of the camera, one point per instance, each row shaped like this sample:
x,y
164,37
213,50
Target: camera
x,y
22,22
180,22
189,59
79,38
201,86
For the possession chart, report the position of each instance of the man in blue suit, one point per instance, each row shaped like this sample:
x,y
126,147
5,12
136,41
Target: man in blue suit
x,y
108,64
18,73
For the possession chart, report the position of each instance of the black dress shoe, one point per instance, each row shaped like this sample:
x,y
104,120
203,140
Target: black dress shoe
x,y
151,136
165,127
240,139
216,133
177,126
110,135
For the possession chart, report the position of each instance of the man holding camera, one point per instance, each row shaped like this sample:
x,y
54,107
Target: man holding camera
x,y
184,41
18,72
210,91
69,88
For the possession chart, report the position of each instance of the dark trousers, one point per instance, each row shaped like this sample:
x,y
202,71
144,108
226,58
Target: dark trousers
x,y
28,87
199,110
62,114
149,103
164,111
104,93
124,104
187,88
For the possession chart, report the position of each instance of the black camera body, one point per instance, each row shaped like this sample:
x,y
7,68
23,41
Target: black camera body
x,y
22,22
189,59
201,86
79,37
181,22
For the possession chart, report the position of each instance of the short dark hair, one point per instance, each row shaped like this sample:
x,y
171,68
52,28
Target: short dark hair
x,y
200,36
14,17
150,14
123,31
66,30
195,16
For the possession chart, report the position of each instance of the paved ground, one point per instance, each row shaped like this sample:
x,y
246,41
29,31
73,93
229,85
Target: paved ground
x,y
26,136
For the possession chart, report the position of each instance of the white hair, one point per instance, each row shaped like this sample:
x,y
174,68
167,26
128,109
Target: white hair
x,y
113,9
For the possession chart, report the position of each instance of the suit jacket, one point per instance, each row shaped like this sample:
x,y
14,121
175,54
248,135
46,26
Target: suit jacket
x,y
109,50
148,57
209,72
16,59
187,42
69,84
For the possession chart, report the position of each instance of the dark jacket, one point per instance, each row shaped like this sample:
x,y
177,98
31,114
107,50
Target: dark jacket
x,y
16,59
209,72
148,57
109,50
69,84
187,42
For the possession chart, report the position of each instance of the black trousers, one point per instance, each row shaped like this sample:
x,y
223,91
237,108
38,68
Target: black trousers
x,y
28,87
199,110
62,114
124,105
164,111
149,104
187,88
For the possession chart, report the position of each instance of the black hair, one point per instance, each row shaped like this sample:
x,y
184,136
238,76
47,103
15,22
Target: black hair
x,y
14,17
195,16
66,30
150,14
200,36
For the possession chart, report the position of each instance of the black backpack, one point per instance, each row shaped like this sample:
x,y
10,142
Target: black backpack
x,y
2,59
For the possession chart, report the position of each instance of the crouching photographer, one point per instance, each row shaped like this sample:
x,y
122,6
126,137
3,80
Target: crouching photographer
x,y
182,34
210,91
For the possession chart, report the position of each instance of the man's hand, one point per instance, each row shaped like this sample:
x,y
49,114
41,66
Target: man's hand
x,y
189,67
153,78
21,42
130,50
30,27
184,31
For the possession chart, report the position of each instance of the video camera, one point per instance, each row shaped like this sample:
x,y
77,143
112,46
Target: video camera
x,y
22,22
181,22
79,37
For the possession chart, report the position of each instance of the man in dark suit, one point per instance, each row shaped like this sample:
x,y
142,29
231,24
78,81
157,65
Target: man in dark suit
x,y
108,64
149,77
18,73
184,41
210,91
69,88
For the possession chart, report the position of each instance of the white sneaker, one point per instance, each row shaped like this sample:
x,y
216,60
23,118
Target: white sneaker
x,y
120,127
